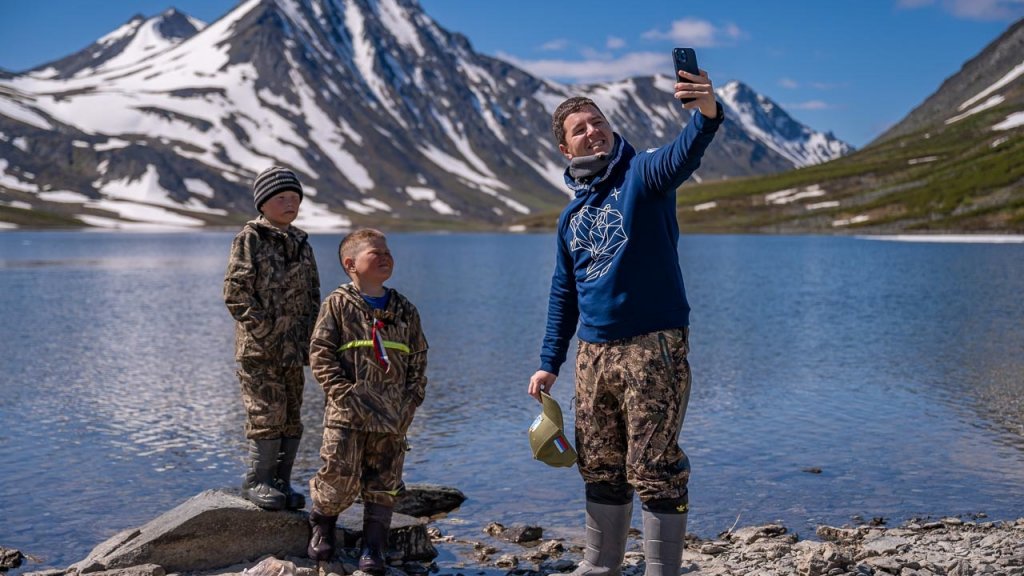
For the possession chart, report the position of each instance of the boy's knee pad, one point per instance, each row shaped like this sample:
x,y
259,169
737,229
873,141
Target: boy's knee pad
x,y
608,493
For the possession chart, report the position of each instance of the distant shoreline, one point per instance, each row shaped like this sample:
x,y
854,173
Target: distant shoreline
x,y
518,229
950,238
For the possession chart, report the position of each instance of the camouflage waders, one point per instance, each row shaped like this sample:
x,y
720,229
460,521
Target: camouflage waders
x,y
272,396
358,463
631,399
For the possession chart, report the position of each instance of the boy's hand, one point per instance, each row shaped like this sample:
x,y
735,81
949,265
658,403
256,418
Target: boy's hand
x,y
541,381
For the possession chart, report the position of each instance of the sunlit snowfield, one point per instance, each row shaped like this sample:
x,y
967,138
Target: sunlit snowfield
x,y
896,368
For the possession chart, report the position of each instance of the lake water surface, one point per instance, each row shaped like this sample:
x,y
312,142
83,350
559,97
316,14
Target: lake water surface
x,y
895,368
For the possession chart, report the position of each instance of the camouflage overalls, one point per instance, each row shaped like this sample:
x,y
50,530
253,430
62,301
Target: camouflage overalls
x,y
272,289
631,399
368,408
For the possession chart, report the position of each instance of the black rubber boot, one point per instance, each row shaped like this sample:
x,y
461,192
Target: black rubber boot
x,y
283,476
376,525
258,485
322,536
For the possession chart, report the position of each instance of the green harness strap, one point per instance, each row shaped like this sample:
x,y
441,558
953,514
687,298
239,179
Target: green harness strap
x,y
369,343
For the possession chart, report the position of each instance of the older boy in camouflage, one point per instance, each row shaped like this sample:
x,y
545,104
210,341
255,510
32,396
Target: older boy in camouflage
x,y
272,290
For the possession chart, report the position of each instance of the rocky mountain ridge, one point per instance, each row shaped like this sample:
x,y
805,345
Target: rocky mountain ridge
x,y
388,118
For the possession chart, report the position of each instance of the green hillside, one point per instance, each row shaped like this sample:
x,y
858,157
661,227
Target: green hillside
x,y
965,177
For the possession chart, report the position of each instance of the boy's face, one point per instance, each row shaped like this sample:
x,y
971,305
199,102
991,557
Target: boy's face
x,y
587,133
282,208
372,263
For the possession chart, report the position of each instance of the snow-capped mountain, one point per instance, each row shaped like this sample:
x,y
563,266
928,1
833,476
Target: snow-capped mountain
x,y
768,123
382,113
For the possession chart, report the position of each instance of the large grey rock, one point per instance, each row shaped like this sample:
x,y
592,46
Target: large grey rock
x,y
216,529
210,530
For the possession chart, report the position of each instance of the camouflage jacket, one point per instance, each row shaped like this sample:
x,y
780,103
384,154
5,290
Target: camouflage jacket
x,y
360,393
272,290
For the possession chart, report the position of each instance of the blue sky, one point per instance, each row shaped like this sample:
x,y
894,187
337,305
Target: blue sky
x,y
854,67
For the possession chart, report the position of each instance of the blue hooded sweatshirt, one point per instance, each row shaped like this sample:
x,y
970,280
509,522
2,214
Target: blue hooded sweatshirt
x,y
617,267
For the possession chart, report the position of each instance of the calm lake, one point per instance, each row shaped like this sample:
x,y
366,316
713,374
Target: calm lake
x,y
896,368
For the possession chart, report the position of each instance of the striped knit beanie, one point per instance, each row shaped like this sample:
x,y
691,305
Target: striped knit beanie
x,y
271,181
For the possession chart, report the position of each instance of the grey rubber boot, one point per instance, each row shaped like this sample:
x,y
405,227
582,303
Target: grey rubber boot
x,y
322,536
664,541
283,474
376,525
607,528
258,485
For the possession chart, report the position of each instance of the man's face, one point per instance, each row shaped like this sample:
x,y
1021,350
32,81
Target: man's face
x,y
586,133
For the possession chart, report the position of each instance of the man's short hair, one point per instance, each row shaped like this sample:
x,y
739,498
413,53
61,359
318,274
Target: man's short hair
x,y
351,243
569,106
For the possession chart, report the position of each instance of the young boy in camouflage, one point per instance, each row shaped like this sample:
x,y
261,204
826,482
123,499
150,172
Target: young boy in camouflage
x,y
370,356
272,290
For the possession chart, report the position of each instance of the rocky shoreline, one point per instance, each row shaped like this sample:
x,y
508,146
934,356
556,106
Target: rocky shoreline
x,y
199,538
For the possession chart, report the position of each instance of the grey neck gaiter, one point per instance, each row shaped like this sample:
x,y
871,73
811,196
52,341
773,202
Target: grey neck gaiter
x,y
586,167
583,168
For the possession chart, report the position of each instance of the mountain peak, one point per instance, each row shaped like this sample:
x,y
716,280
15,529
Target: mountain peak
x,y
135,40
176,25
770,124
736,87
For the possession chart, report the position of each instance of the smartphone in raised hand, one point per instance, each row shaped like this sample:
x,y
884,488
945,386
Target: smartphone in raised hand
x,y
685,59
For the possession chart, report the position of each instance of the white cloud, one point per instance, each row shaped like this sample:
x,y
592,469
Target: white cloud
x,y
809,105
911,4
696,33
603,64
593,54
596,69
986,9
792,84
972,9
554,45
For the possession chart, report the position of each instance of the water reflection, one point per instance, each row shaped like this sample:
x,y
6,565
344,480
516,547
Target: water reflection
x,y
895,368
